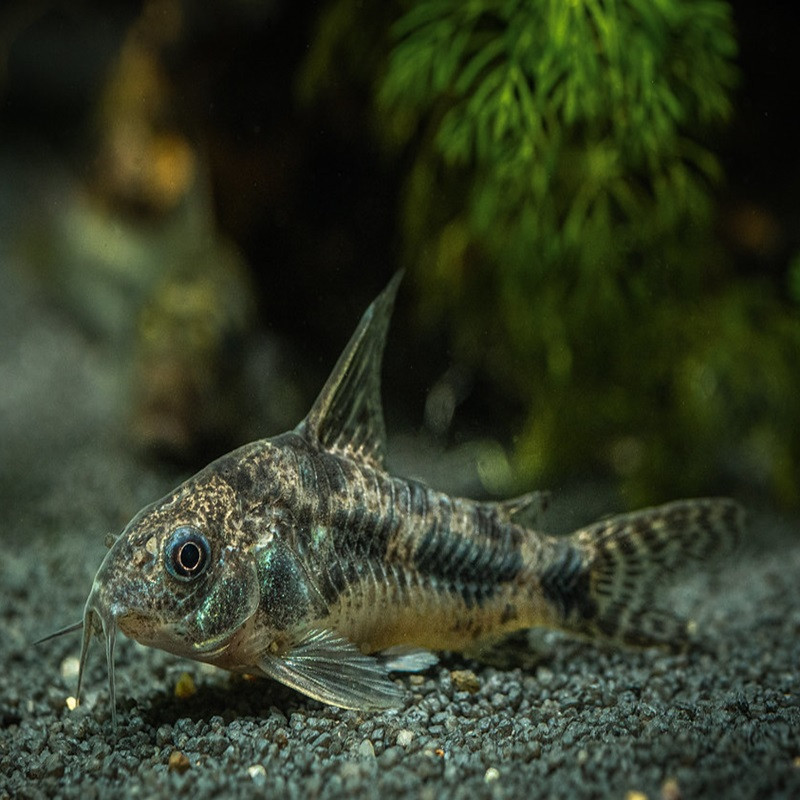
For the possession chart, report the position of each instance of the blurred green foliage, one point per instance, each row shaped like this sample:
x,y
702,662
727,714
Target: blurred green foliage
x,y
558,216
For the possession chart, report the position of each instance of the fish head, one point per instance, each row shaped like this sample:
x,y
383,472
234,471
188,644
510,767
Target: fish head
x,y
179,578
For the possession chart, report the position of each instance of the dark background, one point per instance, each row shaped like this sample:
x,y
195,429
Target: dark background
x,y
306,192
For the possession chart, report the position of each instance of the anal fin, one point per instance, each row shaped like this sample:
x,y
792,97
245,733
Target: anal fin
x,y
330,668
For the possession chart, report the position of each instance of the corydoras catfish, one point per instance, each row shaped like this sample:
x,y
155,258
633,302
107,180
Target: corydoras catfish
x,y
301,559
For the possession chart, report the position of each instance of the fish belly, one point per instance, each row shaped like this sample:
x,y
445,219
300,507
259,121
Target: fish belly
x,y
434,615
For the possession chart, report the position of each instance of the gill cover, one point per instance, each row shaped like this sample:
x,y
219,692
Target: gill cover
x,y
231,599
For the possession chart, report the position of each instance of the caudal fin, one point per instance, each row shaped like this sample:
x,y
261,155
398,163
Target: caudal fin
x,y
607,577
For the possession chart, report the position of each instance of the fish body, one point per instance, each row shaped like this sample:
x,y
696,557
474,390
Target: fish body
x,y
300,558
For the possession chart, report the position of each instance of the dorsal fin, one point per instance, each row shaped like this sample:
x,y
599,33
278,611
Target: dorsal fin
x,y
347,417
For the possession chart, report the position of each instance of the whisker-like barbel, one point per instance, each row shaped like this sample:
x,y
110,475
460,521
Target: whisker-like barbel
x,y
110,634
75,626
85,641
109,630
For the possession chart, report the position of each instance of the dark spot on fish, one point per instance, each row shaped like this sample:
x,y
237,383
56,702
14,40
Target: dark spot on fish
x,y
677,517
627,545
474,594
417,499
300,517
337,576
730,515
385,529
400,578
308,475
461,626
565,583
333,581
242,483
608,626
509,613
334,473
652,540
711,533
284,587
360,533
346,520
456,558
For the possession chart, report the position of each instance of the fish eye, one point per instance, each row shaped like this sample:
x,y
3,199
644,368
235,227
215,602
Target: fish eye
x,y
186,554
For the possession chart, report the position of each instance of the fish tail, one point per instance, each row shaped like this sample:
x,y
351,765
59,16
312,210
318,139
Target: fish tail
x,y
605,577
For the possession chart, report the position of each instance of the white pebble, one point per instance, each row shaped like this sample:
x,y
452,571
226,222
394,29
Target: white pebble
x,y
404,738
491,775
366,750
258,774
69,668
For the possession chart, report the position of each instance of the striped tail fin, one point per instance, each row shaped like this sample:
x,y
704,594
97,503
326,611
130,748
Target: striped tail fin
x,y
607,576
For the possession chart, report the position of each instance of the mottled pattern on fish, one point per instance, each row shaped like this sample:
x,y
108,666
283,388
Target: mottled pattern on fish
x,y
300,558
394,562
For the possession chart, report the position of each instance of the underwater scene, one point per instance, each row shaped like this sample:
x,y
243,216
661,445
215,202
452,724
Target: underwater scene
x,y
414,385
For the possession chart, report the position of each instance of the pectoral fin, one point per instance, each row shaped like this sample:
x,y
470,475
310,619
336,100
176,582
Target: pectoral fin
x,y
330,668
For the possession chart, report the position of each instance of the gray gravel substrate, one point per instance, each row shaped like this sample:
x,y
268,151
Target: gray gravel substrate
x,y
720,721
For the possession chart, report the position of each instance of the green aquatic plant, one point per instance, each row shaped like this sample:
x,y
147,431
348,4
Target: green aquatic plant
x,y
558,217
576,127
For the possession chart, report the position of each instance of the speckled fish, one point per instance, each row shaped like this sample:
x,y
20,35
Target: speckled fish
x,y
301,559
